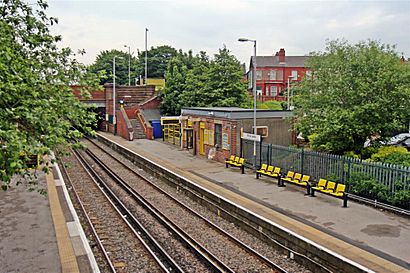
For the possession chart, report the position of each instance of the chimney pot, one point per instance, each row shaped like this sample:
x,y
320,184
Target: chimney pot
x,y
281,55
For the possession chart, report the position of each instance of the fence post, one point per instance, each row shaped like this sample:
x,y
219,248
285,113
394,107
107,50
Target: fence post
x,y
302,159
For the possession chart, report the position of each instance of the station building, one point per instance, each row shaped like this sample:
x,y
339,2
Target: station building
x,y
216,131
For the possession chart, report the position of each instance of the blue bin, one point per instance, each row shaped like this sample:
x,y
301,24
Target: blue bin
x,y
156,126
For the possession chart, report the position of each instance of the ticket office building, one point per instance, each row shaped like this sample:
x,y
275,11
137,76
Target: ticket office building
x,y
216,131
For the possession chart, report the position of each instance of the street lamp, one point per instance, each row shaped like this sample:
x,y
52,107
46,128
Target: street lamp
x,y
146,62
129,65
254,94
113,94
289,79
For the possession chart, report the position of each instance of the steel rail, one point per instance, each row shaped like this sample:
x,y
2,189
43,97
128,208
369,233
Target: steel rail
x,y
89,222
208,222
194,245
126,215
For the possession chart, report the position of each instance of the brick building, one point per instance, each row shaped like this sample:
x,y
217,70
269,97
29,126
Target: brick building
x,y
273,72
217,130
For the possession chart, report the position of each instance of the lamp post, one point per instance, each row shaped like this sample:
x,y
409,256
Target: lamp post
x,y
254,94
129,65
146,62
289,79
113,95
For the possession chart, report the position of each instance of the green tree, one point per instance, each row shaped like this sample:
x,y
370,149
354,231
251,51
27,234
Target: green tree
x,y
175,79
104,63
201,82
226,86
157,61
38,109
356,92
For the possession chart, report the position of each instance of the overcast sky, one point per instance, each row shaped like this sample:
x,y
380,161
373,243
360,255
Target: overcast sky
x,y
298,26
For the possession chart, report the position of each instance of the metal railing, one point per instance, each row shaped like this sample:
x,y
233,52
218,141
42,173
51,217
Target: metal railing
x,y
328,166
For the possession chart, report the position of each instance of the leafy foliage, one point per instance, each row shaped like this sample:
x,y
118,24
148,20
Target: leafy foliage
x,y
355,92
201,82
157,61
392,155
368,187
39,110
104,65
271,105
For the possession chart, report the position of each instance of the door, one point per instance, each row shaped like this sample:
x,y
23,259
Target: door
x,y
201,138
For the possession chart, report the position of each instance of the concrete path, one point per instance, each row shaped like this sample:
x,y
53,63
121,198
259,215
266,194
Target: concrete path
x,y
382,233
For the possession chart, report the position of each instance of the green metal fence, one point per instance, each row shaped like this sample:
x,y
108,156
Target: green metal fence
x,y
328,166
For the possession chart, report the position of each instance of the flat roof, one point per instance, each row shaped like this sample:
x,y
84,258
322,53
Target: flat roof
x,y
234,112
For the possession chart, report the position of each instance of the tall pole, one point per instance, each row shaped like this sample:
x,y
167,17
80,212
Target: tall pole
x,y
129,65
288,93
113,95
254,94
254,102
145,80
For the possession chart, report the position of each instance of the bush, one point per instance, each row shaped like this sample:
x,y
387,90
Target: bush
x,y
368,187
271,105
392,155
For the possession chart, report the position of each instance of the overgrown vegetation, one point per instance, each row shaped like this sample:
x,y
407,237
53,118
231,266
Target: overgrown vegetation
x,y
38,108
271,105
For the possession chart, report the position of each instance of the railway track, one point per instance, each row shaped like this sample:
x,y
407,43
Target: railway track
x,y
121,239
224,252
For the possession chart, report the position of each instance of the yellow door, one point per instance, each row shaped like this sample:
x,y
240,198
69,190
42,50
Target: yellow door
x,y
201,138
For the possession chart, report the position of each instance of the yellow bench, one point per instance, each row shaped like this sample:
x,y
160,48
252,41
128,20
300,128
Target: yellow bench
x,y
268,170
331,188
236,162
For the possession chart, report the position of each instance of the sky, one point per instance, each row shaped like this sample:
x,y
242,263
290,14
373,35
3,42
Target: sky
x,y
300,26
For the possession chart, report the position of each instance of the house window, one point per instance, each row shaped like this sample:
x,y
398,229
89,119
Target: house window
x,y
308,74
294,75
273,91
272,75
259,74
218,135
267,91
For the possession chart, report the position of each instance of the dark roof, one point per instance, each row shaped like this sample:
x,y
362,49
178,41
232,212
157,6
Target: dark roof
x,y
233,112
273,61
151,114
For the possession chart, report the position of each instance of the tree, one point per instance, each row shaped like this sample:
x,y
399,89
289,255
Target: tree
x,y
39,111
157,61
104,63
201,82
356,92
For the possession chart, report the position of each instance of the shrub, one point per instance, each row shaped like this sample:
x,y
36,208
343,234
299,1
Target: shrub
x,y
392,154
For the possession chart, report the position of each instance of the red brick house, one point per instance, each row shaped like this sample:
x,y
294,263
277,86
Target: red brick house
x,y
273,72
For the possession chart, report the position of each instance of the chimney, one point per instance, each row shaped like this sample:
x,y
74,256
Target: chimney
x,y
281,55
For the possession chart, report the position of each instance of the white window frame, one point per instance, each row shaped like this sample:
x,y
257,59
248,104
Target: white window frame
x,y
258,75
273,87
294,75
272,75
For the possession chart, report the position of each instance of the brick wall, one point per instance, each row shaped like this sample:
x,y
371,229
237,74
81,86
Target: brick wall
x,y
279,132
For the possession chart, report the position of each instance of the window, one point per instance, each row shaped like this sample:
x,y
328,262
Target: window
x,y
272,75
259,74
308,74
273,91
218,135
294,75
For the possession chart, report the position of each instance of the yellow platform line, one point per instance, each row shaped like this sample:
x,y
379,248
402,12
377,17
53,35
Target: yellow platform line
x,y
65,248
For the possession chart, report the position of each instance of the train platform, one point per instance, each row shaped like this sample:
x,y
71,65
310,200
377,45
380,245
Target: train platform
x,y
375,239
41,233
